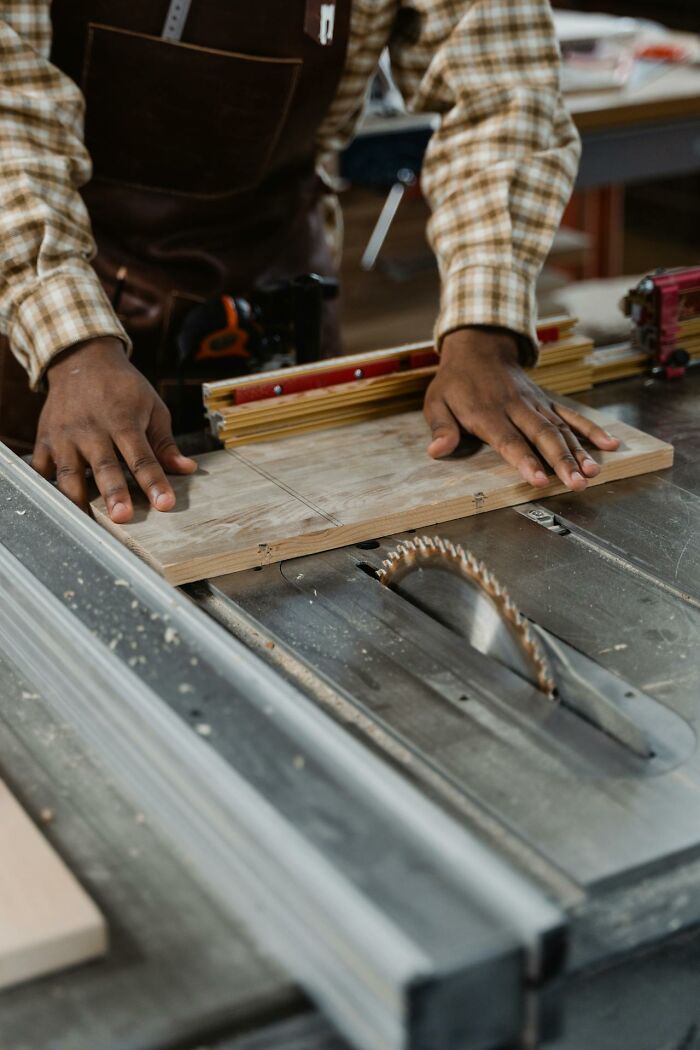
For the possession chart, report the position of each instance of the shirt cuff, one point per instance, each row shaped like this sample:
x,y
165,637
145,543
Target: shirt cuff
x,y
486,295
64,309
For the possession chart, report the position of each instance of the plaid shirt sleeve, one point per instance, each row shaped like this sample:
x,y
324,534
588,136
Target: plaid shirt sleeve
x,y
500,168
50,297
497,173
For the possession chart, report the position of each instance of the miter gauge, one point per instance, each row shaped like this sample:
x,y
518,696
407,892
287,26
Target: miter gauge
x,y
451,585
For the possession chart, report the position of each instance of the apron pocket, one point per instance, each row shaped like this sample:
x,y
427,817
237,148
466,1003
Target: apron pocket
x,y
182,119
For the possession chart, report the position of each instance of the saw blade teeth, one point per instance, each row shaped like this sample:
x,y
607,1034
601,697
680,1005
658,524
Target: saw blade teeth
x,y
423,551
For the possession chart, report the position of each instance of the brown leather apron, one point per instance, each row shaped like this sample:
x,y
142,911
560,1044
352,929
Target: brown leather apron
x,y
203,154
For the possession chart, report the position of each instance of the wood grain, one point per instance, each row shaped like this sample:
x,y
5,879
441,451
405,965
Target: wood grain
x,y
300,495
47,920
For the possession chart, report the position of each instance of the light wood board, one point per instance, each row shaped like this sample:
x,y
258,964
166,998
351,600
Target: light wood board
x,y
47,920
300,495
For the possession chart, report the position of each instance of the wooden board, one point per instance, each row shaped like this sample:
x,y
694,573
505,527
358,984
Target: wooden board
x,y
300,495
47,921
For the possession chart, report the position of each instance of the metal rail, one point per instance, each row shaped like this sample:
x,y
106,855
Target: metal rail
x,y
397,919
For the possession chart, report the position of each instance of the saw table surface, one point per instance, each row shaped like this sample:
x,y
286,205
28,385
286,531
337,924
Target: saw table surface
x,y
617,844
621,585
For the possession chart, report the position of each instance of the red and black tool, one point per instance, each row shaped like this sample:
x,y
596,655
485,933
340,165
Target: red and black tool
x,y
279,323
665,312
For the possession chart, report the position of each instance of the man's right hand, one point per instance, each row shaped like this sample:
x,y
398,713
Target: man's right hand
x,y
98,406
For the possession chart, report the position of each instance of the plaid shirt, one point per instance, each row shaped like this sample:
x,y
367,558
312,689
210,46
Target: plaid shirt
x,y
497,173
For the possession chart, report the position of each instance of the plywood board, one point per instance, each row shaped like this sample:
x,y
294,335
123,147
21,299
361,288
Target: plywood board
x,y
300,495
47,920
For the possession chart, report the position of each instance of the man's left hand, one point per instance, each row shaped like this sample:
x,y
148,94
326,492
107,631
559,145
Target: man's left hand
x,y
480,387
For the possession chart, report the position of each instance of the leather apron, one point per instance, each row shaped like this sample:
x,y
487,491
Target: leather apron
x,y
203,162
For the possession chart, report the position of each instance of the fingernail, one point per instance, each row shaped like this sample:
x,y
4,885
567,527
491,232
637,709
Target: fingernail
x,y
119,508
577,476
163,500
540,476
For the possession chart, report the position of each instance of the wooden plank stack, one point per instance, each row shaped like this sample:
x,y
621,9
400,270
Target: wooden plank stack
x,y
347,390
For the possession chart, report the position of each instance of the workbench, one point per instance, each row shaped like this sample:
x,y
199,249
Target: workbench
x,y
136,771
628,135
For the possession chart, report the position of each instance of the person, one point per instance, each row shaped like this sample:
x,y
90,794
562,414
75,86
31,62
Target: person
x,y
185,141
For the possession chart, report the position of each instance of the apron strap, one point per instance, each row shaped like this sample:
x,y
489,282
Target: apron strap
x,y
175,20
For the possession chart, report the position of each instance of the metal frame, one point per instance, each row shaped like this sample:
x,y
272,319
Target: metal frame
x,y
399,921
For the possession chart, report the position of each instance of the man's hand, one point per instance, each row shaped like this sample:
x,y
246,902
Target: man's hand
x,y
480,387
99,405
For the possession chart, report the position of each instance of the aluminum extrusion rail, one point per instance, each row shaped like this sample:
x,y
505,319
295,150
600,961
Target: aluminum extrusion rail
x,y
407,929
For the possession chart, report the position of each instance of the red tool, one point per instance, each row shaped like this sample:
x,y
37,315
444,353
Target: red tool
x,y
665,312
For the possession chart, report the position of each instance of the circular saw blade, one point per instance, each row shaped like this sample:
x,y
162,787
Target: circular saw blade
x,y
454,587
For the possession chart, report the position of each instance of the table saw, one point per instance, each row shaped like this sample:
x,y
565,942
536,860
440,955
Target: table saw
x,y
314,818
